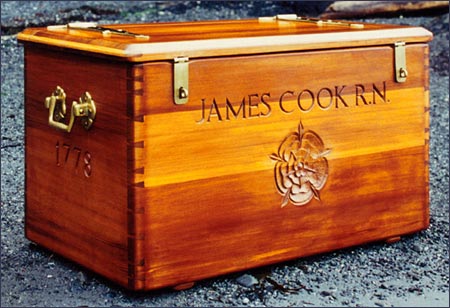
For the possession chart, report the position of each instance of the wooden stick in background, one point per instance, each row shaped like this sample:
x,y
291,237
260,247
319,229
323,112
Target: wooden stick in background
x,y
354,9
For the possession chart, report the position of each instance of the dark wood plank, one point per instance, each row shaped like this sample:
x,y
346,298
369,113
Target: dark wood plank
x,y
78,216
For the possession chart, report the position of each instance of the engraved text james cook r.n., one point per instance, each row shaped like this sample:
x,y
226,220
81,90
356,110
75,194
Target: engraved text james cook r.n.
x,y
290,101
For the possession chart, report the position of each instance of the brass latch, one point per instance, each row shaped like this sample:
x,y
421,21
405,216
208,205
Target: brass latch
x,y
400,62
181,80
56,103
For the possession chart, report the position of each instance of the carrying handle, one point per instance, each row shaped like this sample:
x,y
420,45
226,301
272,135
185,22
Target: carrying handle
x,y
93,26
56,103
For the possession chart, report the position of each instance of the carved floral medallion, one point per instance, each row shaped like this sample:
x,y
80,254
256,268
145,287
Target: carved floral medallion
x,y
301,169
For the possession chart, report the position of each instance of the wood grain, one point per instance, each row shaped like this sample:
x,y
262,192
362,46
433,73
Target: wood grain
x,y
82,218
212,205
220,38
178,193
239,222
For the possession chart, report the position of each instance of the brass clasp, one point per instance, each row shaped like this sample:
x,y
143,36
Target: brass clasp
x,y
56,103
400,62
181,80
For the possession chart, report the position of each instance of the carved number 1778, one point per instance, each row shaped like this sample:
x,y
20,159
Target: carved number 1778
x,y
66,152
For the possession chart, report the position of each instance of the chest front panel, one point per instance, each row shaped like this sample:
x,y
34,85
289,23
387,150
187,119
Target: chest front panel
x,y
277,156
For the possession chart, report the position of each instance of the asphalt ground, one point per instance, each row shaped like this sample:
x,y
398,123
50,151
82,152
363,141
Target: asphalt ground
x,y
411,272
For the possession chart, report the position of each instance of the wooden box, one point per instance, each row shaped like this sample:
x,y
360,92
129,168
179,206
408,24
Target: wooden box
x,y
162,154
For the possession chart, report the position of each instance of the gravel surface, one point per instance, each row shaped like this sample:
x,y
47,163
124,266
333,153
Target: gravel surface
x,y
412,272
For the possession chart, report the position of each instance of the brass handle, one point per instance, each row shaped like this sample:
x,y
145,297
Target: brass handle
x,y
56,103
93,26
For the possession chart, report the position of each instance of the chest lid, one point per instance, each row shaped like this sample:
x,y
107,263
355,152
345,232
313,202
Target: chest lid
x,y
160,41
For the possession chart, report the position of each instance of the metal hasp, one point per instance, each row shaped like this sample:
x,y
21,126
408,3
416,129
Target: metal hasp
x,y
56,103
181,80
400,62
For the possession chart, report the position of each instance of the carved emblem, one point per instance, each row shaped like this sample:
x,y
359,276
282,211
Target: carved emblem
x,y
301,169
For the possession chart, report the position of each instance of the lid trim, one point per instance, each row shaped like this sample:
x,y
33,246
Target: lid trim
x,y
77,46
280,43
154,51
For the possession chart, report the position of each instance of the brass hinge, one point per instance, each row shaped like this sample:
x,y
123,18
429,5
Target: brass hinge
x,y
93,26
319,22
400,62
181,80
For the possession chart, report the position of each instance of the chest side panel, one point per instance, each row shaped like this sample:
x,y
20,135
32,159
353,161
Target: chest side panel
x,y
76,183
279,156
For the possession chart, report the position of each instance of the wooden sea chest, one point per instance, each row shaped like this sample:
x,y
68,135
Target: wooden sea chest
x,y
162,154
